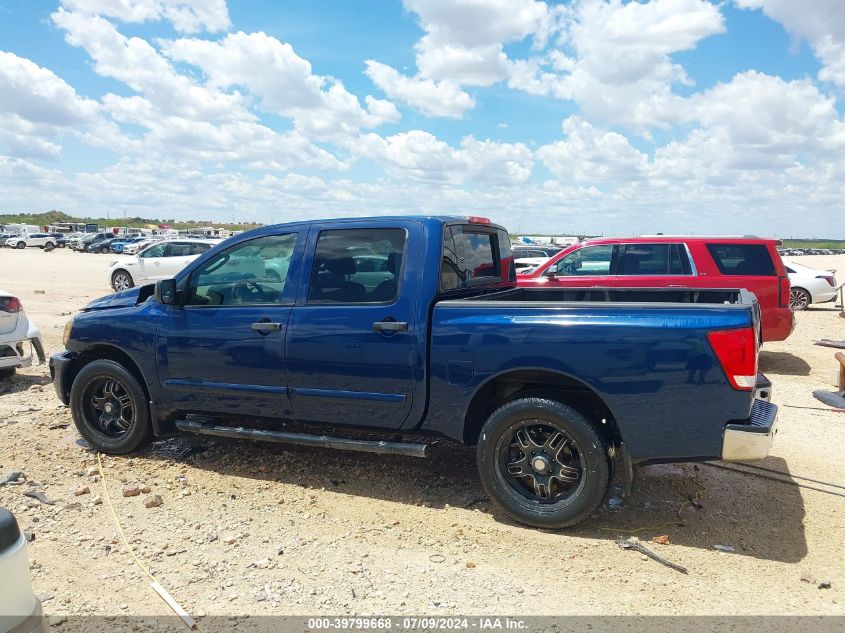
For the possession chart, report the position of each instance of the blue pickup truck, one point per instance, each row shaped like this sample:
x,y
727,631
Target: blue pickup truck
x,y
412,328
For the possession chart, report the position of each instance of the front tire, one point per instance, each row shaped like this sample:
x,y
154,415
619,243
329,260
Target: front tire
x,y
20,245
110,408
543,463
121,280
6,373
799,299
49,246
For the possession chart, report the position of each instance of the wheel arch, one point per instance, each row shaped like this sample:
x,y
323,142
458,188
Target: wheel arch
x,y
121,270
109,352
538,382
809,294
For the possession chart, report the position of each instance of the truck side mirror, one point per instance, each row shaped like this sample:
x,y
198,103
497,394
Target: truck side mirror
x,y
165,291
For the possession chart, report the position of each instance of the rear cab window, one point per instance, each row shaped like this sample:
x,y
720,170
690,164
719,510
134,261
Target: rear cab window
x,y
743,259
475,255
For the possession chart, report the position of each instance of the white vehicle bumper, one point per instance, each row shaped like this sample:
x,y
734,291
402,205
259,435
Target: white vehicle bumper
x,y
21,352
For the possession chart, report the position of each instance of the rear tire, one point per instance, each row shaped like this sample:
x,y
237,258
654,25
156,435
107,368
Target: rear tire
x,y
543,463
799,299
110,408
6,373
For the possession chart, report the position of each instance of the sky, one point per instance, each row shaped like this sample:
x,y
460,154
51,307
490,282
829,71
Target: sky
x,y
587,117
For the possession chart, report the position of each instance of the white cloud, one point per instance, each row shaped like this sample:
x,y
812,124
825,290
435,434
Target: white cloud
x,y
464,39
183,117
821,23
283,82
592,155
37,107
187,16
753,128
432,98
616,61
135,62
422,156
463,45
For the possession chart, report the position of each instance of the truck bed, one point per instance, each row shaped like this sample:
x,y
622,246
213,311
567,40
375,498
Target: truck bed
x,y
644,352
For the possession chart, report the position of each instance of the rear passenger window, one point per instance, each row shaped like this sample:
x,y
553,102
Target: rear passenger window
x,y
470,258
198,248
357,266
653,259
743,259
178,249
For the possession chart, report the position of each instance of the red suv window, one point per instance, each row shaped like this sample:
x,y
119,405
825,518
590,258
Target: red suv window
x,y
752,260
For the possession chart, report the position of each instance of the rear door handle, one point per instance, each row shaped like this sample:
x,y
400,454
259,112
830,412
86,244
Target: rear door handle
x,y
390,326
265,327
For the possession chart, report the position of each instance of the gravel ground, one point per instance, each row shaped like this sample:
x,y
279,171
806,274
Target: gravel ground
x,y
247,528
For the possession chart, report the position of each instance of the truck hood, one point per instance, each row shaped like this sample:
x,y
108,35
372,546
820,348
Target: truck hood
x,y
123,299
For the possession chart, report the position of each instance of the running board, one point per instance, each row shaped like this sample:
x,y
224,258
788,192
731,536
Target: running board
x,y
304,439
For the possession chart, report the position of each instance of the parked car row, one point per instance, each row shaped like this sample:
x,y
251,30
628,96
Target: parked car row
x,y
796,252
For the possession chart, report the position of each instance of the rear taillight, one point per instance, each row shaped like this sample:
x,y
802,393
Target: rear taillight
x,y
828,279
477,219
10,304
783,292
737,354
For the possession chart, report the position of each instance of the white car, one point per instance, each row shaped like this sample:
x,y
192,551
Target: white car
x,y
42,240
161,260
20,339
810,285
525,265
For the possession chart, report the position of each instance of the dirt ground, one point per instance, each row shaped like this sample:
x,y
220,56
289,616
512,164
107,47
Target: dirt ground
x,y
247,528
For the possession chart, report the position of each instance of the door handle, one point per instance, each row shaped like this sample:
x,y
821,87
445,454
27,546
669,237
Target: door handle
x,y
390,326
265,327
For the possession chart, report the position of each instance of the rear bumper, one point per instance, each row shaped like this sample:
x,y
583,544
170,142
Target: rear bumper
x,y
60,374
763,388
22,353
751,439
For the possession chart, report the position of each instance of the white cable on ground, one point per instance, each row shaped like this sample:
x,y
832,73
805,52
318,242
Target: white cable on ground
x,y
155,584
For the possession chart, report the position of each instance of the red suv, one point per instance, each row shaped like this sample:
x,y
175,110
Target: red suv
x,y
688,262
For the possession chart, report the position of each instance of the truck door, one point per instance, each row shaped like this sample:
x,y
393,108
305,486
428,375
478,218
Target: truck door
x,y
351,351
222,350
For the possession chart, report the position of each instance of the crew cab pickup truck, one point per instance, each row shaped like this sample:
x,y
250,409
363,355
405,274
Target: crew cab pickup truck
x,y
413,327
